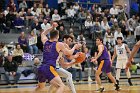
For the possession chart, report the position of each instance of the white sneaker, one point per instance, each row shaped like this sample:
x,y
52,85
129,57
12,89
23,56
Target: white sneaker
x,y
89,79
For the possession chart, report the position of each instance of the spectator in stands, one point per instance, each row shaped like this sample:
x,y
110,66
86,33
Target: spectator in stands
x,y
1,56
81,39
11,67
33,9
2,18
62,32
131,21
6,11
11,5
82,17
114,27
71,33
88,64
4,49
60,3
56,17
77,68
23,42
76,7
137,33
60,23
109,38
46,10
39,9
96,21
45,25
124,28
29,17
89,15
23,4
42,2
15,11
88,24
114,10
40,18
36,26
9,21
36,66
17,54
96,31
97,9
105,25
32,41
22,13
18,23
39,42
112,20
118,33
70,15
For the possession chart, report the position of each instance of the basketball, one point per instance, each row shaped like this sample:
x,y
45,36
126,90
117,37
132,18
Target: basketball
x,y
133,68
80,58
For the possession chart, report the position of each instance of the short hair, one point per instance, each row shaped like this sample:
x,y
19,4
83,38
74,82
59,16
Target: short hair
x,y
54,34
67,36
119,38
101,39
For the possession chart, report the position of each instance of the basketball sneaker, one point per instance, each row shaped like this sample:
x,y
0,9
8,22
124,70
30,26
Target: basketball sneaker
x,y
101,89
129,81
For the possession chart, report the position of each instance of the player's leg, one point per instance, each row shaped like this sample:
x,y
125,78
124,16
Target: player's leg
x,y
113,80
119,65
57,82
40,86
129,77
41,78
97,76
118,75
64,73
52,89
110,76
128,74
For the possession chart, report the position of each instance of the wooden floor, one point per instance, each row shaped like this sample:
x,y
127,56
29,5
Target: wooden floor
x,y
83,87
80,88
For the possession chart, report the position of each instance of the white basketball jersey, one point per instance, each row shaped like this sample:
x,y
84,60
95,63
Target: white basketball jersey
x,y
121,52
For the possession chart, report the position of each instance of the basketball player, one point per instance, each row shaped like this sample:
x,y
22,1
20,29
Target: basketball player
x,y
133,52
51,51
120,50
67,39
104,64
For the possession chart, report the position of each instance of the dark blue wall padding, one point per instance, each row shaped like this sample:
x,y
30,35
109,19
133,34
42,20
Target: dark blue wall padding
x,y
53,3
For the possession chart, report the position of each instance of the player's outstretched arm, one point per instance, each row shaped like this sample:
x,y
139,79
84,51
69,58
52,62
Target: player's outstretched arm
x,y
134,51
43,35
66,51
114,55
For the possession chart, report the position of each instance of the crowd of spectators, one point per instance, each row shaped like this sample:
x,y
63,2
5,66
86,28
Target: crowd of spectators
x,y
95,21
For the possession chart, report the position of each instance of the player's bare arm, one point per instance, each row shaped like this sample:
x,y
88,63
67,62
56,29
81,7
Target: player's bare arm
x,y
134,50
114,55
67,51
100,49
43,35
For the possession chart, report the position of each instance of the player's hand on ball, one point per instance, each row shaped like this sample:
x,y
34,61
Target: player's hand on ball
x,y
76,55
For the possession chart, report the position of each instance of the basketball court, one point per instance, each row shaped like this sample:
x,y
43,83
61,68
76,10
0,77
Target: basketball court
x,y
84,87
